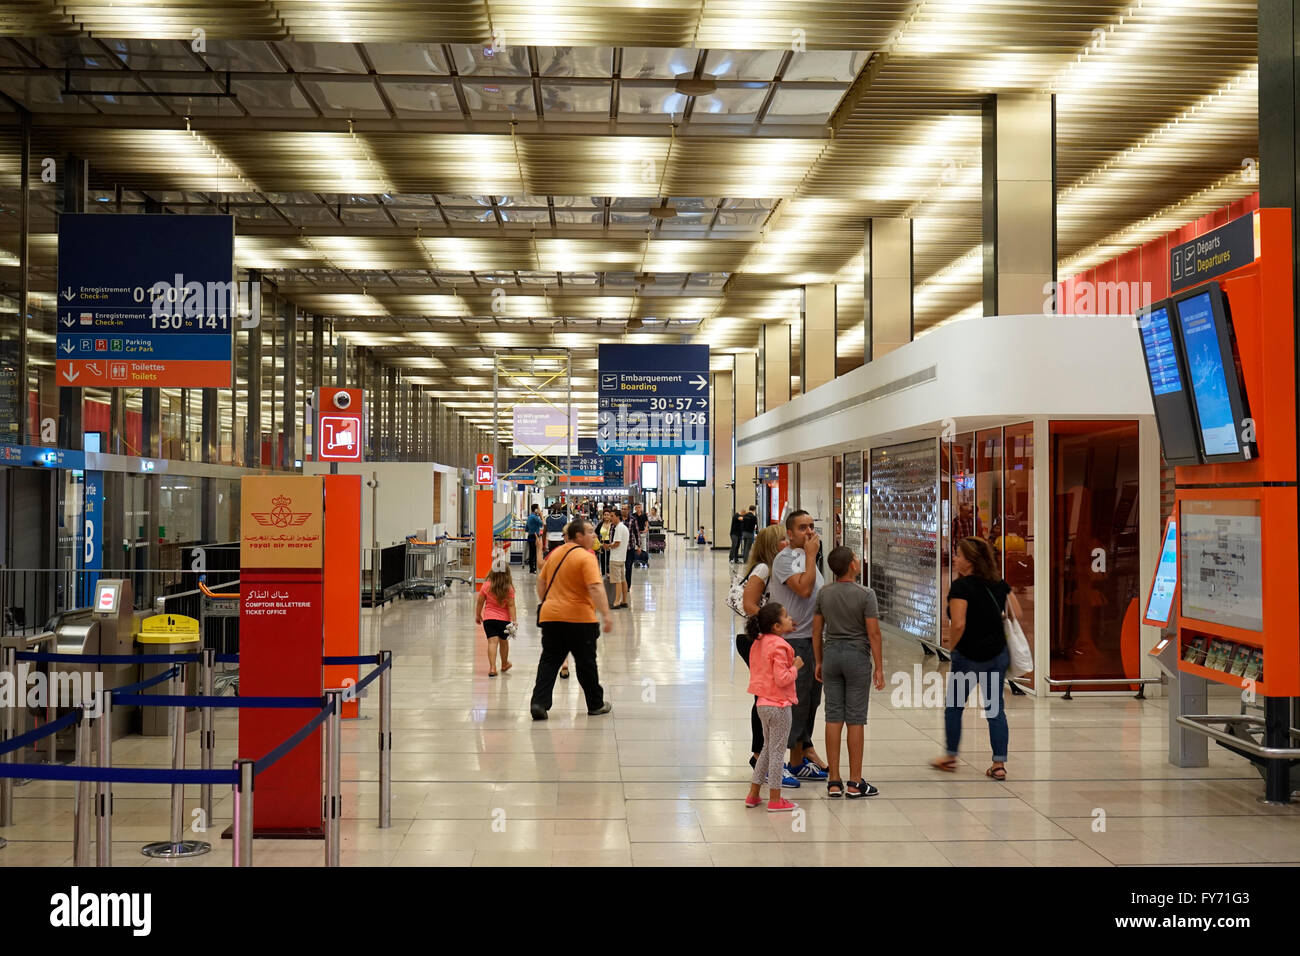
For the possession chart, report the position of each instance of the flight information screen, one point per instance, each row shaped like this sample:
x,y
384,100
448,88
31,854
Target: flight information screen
x,y
1208,374
1165,585
1161,353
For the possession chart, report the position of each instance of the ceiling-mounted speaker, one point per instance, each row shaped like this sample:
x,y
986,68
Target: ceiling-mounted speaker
x,y
663,212
690,85
634,323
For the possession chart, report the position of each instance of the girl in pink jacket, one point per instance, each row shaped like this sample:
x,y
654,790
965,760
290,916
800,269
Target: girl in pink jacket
x,y
772,669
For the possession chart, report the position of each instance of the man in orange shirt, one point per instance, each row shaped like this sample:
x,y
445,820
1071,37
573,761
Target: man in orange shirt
x,y
570,593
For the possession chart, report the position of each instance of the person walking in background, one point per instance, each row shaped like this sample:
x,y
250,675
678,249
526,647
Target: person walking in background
x,y
634,540
555,524
619,538
737,526
571,594
643,534
533,531
606,535
494,609
795,583
748,528
773,666
846,647
978,646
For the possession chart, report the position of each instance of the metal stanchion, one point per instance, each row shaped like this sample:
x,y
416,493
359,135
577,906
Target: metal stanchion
x,y
8,660
81,818
333,783
207,736
104,803
241,844
385,744
177,847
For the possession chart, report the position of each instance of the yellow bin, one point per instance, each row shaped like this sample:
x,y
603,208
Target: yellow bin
x,y
168,634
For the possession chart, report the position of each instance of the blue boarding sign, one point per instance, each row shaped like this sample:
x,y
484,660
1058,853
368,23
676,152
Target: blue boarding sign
x,y
653,400
146,301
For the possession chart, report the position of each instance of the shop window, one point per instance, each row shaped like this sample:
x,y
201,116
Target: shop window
x,y
1094,547
1016,544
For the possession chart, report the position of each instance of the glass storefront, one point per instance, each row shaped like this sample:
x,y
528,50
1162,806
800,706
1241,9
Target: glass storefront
x,y
987,479
1095,550
853,510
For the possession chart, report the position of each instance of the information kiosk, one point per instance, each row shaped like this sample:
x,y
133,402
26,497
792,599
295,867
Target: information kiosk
x,y
1220,356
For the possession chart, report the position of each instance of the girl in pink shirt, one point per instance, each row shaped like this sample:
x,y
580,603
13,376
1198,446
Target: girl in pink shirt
x,y
495,611
772,669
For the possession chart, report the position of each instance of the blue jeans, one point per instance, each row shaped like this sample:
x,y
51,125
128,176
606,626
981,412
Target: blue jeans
x,y
989,676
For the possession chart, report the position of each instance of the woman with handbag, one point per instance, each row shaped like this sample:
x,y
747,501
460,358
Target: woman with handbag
x,y
977,641
750,592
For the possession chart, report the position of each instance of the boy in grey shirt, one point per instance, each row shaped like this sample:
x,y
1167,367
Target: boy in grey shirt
x,y
845,631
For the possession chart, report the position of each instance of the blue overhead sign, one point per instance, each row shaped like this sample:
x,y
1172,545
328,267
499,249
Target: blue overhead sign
x,y
653,400
40,456
146,301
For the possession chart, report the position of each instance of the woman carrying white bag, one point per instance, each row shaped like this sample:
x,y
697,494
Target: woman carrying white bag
x,y
984,638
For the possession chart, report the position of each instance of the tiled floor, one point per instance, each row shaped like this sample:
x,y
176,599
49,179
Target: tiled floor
x,y
659,781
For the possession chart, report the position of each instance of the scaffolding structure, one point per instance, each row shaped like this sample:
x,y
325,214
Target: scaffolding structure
x,y
533,376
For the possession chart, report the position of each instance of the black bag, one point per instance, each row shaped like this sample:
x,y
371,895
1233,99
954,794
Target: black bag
x,y
550,583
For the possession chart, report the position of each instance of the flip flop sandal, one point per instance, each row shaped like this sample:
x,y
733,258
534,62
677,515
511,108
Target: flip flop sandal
x,y
492,673
947,764
834,788
506,667
997,773
564,673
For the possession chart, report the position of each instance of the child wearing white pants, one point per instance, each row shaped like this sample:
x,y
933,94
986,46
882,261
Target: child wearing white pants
x,y
773,667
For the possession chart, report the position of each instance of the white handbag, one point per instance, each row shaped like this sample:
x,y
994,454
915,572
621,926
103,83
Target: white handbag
x,y
735,598
1022,659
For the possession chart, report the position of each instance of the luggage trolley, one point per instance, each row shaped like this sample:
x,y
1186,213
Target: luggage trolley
x,y
426,569
460,560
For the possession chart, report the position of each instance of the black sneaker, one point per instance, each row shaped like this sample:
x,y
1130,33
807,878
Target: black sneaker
x,y
538,712
860,789
604,708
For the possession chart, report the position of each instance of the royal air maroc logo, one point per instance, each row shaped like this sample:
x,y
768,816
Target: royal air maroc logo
x,y
280,516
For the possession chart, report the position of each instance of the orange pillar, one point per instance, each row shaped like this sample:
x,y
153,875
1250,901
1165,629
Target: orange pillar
x,y
482,533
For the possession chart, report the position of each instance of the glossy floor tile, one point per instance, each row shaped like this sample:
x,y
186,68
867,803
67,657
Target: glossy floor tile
x,y
660,780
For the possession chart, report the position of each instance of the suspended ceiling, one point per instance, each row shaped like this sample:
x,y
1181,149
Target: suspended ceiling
x,y
444,178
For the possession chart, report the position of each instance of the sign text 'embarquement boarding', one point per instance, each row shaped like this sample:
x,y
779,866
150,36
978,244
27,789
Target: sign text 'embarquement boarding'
x,y
146,301
653,400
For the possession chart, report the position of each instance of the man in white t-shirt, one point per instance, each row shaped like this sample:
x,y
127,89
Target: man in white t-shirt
x,y
617,559
795,582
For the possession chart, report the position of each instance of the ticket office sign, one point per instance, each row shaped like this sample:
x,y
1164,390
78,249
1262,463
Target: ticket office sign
x,y
146,301
281,522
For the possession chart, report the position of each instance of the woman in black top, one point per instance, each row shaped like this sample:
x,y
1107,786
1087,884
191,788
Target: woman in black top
x,y
979,650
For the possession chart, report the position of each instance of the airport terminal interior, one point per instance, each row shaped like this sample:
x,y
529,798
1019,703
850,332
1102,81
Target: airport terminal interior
x,y
331,329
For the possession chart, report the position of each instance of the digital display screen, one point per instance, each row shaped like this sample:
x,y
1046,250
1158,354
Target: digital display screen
x,y
650,476
1208,375
1165,585
106,598
1161,353
1167,376
691,470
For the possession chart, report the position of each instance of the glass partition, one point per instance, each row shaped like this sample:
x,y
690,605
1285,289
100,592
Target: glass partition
x,y
1094,547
